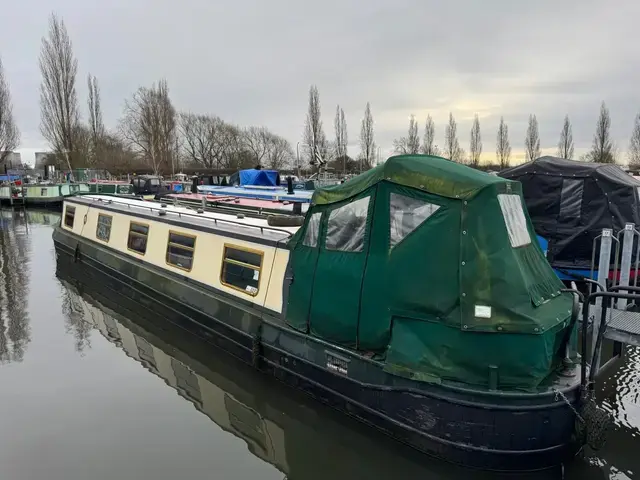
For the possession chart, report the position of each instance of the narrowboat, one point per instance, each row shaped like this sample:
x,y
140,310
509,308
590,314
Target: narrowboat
x,y
8,193
50,196
110,187
237,203
413,297
258,184
40,195
569,203
148,186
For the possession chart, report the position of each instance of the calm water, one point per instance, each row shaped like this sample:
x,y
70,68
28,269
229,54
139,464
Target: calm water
x,y
93,389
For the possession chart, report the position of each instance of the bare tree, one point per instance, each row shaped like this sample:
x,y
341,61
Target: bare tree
x,y
256,140
634,144
314,137
503,147
279,152
58,97
9,133
603,150
565,145
234,152
410,144
342,140
118,158
475,144
452,149
96,126
429,146
149,126
532,140
367,143
202,138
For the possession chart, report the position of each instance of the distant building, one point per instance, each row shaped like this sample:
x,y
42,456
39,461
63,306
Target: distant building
x,y
14,160
41,158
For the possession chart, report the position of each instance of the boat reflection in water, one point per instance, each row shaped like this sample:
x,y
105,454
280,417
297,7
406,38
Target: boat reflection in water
x,y
279,425
15,246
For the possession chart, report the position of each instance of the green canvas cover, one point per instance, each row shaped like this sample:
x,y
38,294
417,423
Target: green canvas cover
x,y
434,265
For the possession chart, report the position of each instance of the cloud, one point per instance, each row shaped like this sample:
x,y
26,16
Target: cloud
x,y
252,62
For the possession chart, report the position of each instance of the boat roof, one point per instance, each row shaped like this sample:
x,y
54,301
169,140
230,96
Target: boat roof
x,y
250,228
428,173
561,167
235,200
265,193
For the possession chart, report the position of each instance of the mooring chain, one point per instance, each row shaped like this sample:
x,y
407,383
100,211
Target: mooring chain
x,y
559,394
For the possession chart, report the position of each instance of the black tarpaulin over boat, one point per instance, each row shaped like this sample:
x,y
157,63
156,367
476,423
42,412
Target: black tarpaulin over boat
x,y
570,202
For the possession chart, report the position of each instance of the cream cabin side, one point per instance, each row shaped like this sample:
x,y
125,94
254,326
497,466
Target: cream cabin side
x,y
210,258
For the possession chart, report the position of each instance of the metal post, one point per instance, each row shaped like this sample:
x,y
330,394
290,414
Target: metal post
x,y
625,261
604,264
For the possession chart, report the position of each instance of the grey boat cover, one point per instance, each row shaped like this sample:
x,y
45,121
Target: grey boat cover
x,y
570,202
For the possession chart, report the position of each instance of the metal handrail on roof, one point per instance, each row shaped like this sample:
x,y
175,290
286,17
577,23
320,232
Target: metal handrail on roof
x,y
163,208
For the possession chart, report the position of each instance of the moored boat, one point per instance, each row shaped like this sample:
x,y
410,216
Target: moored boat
x,y
569,203
236,203
40,195
110,187
414,297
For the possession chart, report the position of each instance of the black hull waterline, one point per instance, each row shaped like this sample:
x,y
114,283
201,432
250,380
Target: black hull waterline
x,y
480,429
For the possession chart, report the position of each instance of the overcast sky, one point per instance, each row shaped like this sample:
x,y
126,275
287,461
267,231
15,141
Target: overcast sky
x,y
252,61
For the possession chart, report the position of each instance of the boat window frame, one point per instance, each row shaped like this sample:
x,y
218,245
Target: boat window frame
x,y
366,226
110,225
141,224
69,209
183,247
305,239
45,190
242,264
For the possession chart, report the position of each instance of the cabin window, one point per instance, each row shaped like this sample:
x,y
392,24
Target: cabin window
x,y
69,216
138,233
347,226
313,229
571,200
180,250
43,192
103,229
241,269
405,215
514,219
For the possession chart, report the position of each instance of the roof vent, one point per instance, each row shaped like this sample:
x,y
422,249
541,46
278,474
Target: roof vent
x,y
200,210
162,213
164,205
241,215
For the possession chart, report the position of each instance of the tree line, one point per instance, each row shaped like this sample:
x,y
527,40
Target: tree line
x,y
153,134
320,152
603,149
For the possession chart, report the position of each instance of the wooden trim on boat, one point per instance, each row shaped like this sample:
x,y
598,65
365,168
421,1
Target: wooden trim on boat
x,y
242,264
183,247
146,236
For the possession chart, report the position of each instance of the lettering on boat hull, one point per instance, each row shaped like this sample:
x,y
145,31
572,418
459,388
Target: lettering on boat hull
x,y
337,364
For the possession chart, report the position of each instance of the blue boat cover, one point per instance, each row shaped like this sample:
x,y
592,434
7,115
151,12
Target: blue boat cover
x,y
266,178
5,178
